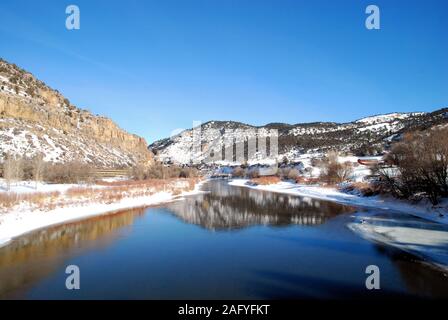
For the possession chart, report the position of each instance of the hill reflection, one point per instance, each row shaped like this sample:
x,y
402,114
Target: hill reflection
x,y
32,257
230,207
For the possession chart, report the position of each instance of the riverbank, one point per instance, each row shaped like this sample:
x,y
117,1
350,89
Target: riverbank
x,y
23,212
422,239
422,210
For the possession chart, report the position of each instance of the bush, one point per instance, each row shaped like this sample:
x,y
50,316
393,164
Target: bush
x,y
160,171
138,172
283,173
17,168
363,188
71,172
333,171
266,180
238,172
183,174
293,174
421,162
253,174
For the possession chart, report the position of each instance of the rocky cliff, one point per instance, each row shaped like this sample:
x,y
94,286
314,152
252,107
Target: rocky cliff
x,y
37,119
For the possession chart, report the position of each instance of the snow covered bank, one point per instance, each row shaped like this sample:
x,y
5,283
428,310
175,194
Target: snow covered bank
x,y
24,218
31,186
439,215
421,238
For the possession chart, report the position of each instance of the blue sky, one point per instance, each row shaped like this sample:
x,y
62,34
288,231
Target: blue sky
x,y
155,66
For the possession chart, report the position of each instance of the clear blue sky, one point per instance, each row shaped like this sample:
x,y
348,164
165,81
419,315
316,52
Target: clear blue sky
x,y
154,66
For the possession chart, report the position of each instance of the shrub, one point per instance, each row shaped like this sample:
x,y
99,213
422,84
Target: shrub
x,y
421,162
138,172
363,188
283,173
160,171
253,174
71,172
333,171
293,174
266,180
183,174
238,172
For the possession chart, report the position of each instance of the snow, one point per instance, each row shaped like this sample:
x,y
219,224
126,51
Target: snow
x,y
13,224
19,137
114,179
55,151
423,239
427,238
179,148
21,220
331,194
266,161
30,186
387,117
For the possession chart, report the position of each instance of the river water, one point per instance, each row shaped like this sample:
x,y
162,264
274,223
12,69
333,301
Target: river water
x,y
229,243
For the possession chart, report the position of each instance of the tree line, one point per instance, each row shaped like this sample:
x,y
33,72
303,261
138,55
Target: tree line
x,y
16,168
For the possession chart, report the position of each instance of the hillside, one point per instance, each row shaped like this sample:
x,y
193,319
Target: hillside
x,y
367,136
35,118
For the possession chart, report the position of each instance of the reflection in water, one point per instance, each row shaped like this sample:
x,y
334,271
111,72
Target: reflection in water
x,y
421,280
31,257
161,257
230,207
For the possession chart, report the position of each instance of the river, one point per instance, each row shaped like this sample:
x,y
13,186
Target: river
x,y
229,243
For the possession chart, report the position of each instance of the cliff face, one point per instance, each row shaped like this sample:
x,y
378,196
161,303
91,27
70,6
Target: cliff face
x,y
37,119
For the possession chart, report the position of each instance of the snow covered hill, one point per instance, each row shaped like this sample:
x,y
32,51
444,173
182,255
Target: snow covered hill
x,y
367,136
37,119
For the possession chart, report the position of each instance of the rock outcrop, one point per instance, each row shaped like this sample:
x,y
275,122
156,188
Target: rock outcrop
x,y
37,119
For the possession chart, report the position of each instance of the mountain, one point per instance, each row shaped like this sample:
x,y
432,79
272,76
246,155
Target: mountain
x,y
35,118
367,136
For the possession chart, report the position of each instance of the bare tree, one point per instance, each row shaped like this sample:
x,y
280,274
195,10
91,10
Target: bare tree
x,y
420,165
12,170
333,171
38,166
139,172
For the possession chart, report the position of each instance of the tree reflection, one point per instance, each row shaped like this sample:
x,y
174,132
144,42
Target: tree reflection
x,y
230,207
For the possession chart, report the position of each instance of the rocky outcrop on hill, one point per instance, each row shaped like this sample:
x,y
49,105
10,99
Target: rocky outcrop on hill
x,y
37,119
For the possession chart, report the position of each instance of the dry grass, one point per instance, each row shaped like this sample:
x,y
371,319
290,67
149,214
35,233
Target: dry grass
x,y
11,199
138,183
364,188
306,180
110,193
267,180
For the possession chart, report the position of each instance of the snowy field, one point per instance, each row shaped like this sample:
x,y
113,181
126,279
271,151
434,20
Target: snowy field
x,y
23,218
21,187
